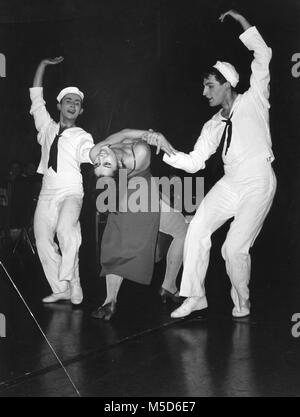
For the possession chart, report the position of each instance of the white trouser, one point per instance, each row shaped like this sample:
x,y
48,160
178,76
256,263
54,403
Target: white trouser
x,y
173,223
247,197
59,215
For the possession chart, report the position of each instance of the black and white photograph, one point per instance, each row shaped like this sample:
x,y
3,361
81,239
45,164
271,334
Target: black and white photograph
x,y
149,201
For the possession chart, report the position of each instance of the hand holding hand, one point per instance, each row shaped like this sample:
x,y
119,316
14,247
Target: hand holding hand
x,y
158,140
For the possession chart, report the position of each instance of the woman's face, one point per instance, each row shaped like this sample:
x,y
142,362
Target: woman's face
x,y
106,163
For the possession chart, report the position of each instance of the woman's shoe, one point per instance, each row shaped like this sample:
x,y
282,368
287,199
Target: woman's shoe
x,y
105,312
168,296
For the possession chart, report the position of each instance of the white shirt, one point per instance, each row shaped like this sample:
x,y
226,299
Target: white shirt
x,y
250,121
73,146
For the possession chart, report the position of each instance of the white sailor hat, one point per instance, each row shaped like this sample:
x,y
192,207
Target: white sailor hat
x,y
229,72
70,90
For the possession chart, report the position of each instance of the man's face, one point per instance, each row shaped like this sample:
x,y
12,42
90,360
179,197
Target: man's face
x,y
71,106
214,91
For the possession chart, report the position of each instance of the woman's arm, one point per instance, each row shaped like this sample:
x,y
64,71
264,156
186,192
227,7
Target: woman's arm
x,y
116,138
122,135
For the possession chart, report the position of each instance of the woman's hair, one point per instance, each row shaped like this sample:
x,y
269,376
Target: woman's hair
x,y
114,176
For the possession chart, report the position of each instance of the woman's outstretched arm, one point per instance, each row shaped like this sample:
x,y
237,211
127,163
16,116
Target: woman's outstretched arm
x,y
116,138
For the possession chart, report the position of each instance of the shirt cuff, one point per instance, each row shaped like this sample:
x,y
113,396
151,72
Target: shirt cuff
x,y
248,34
171,159
36,92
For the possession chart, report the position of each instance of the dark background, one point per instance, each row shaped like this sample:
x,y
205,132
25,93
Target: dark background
x,y
140,63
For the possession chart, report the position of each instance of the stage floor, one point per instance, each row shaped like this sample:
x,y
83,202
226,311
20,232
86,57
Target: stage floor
x,y
142,352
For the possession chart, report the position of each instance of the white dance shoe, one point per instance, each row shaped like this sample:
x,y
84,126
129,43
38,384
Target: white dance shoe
x,y
76,293
61,296
243,311
190,305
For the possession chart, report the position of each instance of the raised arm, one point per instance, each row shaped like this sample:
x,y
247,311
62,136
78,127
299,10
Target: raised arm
x,y
260,76
38,109
238,17
39,74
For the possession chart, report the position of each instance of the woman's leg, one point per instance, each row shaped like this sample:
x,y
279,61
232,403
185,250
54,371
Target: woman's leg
x,y
113,285
173,223
108,309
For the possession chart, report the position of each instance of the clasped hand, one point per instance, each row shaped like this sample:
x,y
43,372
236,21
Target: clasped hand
x,y
157,139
